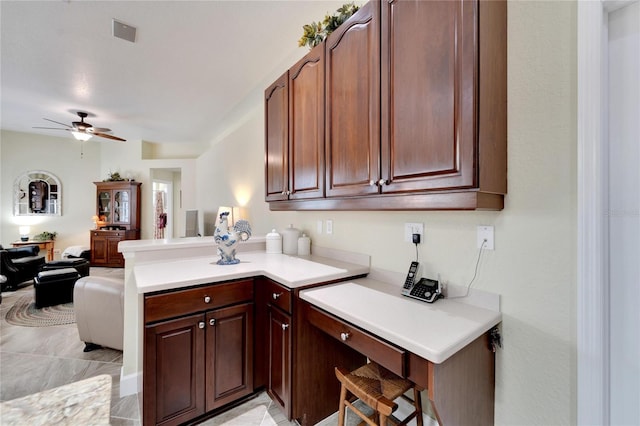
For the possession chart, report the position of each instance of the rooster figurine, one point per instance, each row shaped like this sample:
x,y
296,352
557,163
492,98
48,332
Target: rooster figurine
x,y
228,239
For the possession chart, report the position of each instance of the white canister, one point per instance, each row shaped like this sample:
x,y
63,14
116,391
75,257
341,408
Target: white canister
x,y
274,242
290,237
304,245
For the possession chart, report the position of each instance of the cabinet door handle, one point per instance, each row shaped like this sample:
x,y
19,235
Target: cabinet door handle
x,y
344,336
382,182
372,182
284,327
201,324
212,321
207,299
276,296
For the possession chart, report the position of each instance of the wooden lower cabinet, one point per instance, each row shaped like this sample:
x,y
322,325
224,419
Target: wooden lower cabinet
x,y
174,371
279,384
199,362
104,247
229,355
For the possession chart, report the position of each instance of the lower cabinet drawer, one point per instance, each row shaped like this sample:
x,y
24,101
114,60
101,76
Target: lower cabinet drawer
x,y
385,354
278,295
183,302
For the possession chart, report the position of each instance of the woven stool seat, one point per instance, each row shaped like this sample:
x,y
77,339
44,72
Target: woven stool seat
x,y
378,388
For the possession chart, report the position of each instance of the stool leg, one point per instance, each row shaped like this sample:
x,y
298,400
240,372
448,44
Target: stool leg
x,y
341,407
383,420
417,401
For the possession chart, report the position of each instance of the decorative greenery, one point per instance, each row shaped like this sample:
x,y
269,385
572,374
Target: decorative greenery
x,y
315,32
113,177
44,236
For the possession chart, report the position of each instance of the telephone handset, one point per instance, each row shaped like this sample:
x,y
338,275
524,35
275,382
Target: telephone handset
x,y
426,289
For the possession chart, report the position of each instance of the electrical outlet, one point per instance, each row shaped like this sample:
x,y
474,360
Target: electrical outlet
x,y
485,233
329,226
413,228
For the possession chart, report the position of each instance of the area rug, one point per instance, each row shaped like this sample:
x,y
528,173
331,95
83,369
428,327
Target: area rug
x,y
25,313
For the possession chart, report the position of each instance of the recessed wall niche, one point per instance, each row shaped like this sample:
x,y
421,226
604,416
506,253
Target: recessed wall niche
x,y
37,193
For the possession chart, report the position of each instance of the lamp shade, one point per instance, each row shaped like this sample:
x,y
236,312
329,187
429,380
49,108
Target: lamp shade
x,y
81,136
24,232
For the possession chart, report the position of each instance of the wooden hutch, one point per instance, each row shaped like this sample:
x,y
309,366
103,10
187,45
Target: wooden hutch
x,y
118,210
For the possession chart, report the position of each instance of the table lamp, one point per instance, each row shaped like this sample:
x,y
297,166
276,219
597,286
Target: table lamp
x,y
24,233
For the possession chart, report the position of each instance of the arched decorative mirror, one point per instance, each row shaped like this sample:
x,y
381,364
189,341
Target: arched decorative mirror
x,y
37,193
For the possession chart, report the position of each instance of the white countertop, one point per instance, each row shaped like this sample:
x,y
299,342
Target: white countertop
x,y
433,331
291,271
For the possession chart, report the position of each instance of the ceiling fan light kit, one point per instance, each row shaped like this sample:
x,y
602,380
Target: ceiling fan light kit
x,y
83,131
81,136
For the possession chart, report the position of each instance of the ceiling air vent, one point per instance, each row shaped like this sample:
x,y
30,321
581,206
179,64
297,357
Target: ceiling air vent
x,y
124,31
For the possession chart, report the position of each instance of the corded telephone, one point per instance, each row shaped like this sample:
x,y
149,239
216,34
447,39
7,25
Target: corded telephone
x,y
426,289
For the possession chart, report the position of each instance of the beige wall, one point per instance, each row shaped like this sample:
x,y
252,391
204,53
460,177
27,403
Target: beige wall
x,y
23,152
533,266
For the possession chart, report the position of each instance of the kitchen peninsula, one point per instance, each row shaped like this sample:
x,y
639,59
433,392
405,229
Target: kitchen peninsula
x,y
270,321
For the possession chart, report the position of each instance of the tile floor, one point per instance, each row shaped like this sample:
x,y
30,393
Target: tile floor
x,y
33,359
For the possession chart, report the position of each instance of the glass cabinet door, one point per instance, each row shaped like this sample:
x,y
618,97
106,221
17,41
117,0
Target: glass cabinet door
x,y
121,207
104,206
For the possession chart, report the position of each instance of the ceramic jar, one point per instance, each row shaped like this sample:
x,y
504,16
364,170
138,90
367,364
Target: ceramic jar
x,y
290,237
304,245
274,242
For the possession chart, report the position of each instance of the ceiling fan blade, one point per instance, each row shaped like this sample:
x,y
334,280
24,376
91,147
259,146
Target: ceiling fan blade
x,y
49,128
57,122
98,129
104,135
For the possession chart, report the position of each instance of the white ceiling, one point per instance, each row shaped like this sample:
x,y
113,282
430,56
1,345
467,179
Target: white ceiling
x,y
193,62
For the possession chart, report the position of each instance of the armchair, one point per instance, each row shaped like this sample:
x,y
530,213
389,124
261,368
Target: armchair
x,y
19,264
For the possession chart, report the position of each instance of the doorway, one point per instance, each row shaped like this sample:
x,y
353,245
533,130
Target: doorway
x,y
163,209
608,299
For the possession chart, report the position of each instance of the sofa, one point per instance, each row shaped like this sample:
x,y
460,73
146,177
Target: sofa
x,y
19,264
98,303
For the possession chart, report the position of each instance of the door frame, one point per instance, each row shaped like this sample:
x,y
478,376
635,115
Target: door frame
x,y
592,334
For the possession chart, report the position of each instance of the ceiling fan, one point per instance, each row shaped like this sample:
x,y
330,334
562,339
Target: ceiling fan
x,y
83,131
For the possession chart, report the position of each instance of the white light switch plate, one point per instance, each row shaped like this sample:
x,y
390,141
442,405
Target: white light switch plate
x,y
329,226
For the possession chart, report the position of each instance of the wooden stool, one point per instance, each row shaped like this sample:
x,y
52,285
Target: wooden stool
x,y
378,388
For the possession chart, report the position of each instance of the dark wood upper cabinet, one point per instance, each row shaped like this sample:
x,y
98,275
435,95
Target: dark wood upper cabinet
x,y
428,95
352,134
306,126
277,139
415,107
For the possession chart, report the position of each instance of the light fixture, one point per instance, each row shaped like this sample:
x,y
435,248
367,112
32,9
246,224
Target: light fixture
x,y
24,232
81,136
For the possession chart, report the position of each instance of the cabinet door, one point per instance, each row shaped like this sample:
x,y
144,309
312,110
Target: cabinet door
x,y
428,94
306,126
121,206
114,258
229,354
99,249
352,133
174,371
276,111
280,359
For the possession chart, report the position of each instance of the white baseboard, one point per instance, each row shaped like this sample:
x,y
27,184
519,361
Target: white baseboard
x,y
130,384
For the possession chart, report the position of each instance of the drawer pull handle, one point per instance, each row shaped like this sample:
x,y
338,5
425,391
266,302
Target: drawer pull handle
x,y
207,299
276,296
212,321
344,336
201,324
284,327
